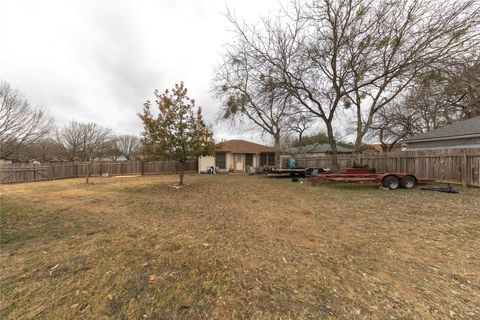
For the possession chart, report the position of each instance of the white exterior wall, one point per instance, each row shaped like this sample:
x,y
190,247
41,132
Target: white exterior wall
x,y
205,162
229,159
230,162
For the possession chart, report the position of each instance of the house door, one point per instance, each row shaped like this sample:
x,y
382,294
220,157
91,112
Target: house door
x,y
239,162
249,160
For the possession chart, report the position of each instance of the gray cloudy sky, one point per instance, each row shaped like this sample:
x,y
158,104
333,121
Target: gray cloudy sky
x,y
100,60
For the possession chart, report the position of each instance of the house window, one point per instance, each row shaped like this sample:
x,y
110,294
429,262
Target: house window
x,y
267,159
220,160
263,159
239,158
271,159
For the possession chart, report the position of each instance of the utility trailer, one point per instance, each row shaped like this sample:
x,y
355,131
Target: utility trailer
x,y
390,180
299,171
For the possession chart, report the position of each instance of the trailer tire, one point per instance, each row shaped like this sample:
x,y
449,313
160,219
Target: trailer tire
x,y
391,182
408,182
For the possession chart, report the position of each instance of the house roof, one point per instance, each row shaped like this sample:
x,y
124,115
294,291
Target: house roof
x,y
242,146
461,129
318,148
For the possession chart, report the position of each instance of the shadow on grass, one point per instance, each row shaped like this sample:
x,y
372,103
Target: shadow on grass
x,y
351,186
281,177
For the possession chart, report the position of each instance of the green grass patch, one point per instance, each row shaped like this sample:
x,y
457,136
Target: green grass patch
x,y
7,210
10,215
9,235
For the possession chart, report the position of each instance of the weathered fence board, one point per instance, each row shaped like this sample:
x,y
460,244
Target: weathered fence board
x,y
459,166
25,172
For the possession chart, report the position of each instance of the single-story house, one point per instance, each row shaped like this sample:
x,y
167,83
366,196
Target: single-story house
x,y
462,134
238,156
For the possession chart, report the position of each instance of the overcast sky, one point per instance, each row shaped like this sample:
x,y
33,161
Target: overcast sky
x,y
100,60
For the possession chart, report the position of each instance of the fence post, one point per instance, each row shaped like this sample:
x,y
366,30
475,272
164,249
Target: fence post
x,y
142,168
398,165
464,170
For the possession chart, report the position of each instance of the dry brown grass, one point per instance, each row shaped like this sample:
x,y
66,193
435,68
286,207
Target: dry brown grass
x,y
237,247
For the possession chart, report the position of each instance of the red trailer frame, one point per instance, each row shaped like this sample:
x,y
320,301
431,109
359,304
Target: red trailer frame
x,y
390,180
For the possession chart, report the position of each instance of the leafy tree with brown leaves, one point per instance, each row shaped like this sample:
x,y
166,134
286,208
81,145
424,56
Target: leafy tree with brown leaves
x,y
178,132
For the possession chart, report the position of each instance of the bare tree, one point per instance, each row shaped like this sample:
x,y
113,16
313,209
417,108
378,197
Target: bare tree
x,y
298,126
439,97
393,123
20,124
303,53
342,53
44,150
463,88
127,146
397,42
84,142
246,88
446,95
70,140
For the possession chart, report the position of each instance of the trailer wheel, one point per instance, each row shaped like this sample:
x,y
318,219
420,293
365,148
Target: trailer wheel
x,y
391,182
408,182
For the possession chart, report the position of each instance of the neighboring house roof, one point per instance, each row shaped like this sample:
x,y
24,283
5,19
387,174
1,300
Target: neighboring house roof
x,y
463,129
318,148
242,146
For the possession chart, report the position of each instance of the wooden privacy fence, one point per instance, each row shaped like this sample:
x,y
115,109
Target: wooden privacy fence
x,y
461,166
25,172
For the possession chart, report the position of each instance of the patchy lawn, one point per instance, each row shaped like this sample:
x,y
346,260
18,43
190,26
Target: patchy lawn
x,y
236,247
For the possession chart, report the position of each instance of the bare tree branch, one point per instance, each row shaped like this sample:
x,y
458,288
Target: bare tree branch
x,y
20,124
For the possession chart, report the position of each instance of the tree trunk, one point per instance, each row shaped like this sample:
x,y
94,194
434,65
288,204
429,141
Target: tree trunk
x,y
278,152
182,172
333,145
357,146
361,131
88,172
